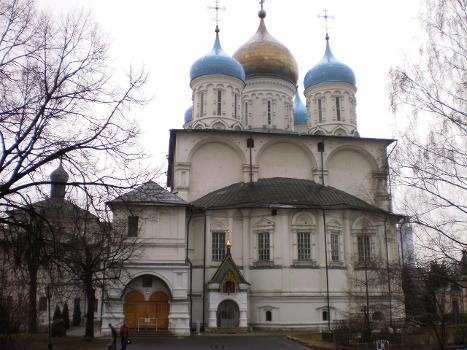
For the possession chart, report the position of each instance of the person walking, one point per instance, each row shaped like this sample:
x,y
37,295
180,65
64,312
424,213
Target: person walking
x,y
124,335
114,337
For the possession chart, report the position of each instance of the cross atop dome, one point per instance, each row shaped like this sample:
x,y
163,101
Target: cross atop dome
x,y
326,17
261,12
217,8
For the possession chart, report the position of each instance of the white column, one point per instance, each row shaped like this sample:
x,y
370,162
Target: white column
x,y
246,239
347,239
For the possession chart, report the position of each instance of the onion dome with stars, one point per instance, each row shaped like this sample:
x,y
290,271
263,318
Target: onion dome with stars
x,y
217,62
189,114
329,69
263,55
299,111
58,178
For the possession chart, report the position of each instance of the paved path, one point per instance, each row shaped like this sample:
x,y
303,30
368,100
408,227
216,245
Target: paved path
x,y
217,342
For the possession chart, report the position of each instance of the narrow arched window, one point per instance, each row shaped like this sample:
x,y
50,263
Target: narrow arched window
x,y
219,102
235,106
269,113
246,113
201,103
338,108
325,315
320,109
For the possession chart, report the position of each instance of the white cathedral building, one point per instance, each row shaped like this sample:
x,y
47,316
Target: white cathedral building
x,y
274,208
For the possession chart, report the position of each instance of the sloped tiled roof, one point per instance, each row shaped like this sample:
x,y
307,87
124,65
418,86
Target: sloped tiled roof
x,y
150,193
228,264
280,192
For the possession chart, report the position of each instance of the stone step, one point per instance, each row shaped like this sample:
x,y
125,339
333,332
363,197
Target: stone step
x,y
227,330
150,333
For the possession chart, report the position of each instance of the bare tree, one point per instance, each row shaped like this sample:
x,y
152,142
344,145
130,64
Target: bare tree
x,y
430,162
90,254
59,101
26,243
434,290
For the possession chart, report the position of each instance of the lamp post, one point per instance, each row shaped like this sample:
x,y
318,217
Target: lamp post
x,y
48,293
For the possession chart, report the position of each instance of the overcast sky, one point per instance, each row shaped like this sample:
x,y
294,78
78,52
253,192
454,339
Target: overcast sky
x,y
168,36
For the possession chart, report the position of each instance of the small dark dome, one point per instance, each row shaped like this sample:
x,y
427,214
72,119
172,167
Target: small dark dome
x,y
299,111
189,115
58,178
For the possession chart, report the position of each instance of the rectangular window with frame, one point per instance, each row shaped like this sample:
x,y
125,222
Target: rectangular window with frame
x,y
320,109
264,247
133,226
304,245
364,248
338,108
218,246
269,113
334,247
219,102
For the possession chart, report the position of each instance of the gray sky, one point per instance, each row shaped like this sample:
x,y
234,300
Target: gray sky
x,y
168,36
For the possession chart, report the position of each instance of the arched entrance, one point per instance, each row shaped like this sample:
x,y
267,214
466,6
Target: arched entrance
x,y
140,313
228,314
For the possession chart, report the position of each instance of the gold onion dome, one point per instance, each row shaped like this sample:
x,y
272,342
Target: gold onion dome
x,y
263,55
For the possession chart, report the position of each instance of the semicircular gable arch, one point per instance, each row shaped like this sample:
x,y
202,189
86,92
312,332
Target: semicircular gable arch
x,y
360,150
334,222
216,139
303,218
363,223
281,159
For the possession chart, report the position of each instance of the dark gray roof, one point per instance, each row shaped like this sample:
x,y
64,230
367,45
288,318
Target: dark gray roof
x,y
150,193
281,192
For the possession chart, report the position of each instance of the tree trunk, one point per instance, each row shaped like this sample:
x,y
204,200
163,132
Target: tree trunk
x,y
32,302
90,312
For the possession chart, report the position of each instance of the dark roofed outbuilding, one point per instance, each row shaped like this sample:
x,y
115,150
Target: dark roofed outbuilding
x,y
149,193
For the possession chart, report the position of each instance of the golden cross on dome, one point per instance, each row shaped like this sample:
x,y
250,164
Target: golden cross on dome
x,y
217,8
326,17
261,12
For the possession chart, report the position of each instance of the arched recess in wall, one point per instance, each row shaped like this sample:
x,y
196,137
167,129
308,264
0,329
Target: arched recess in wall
x,y
215,163
146,303
350,169
285,159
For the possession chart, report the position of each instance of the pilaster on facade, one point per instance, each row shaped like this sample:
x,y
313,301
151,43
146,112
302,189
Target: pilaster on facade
x,y
318,175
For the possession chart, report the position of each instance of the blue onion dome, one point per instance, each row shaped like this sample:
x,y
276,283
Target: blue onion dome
x,y
189,114
329,69
217,62
299,111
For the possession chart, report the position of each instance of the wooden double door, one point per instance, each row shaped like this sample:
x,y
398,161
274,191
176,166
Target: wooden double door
x,y
140,313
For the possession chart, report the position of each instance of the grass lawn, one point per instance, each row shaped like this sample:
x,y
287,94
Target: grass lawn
x,y
40,342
